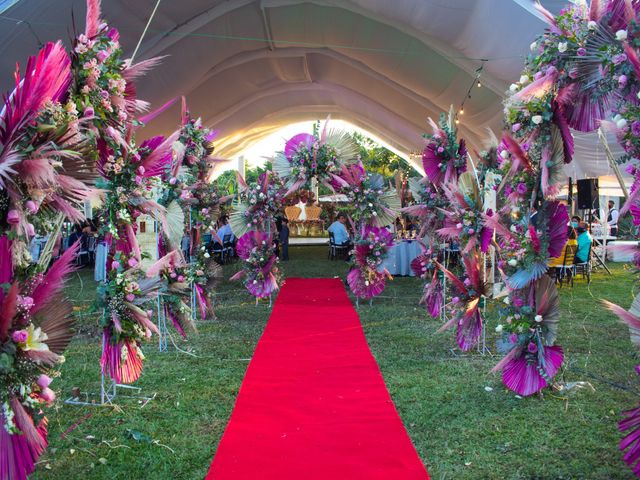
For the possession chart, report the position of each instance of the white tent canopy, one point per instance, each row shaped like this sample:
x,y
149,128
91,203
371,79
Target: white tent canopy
x,y
249,67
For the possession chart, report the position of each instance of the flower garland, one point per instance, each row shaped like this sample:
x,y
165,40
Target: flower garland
x,y
258,204
366,278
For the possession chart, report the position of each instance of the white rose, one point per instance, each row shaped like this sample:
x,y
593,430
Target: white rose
x,y
504,154
513,88
371,204
499,329
533,46
537,119
513,262
375,214
622,123
538,318
506,301
524,79
621,35
206,255
562,47
592,25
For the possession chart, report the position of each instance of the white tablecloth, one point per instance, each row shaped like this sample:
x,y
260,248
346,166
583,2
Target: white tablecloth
x,y
400,256
100,269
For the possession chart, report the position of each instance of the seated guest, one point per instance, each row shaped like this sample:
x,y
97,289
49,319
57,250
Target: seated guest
x,y
575,222
339,230
225,229
584,243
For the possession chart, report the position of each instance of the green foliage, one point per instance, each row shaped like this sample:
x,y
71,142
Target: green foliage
x,y
378,159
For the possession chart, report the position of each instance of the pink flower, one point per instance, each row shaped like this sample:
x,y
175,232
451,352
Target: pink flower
x,y
138,179
20,336
513,338
518,302
31,206
48,395
532,347
115,265
89,112
31,231
181,278
521,188
132,262
26,302
173,275
102,55
44,381
173,180
141,170
149,313
515,127
455,300
130,297
622,80
13,217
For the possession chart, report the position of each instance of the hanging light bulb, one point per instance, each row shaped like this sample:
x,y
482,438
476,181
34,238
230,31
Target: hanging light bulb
x,y
479,84
462,111
457,121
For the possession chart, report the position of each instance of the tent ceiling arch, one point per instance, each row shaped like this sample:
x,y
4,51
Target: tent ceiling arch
x,y
249,67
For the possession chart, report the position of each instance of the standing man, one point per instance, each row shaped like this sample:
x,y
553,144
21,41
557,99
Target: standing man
x,y
612,219
284,239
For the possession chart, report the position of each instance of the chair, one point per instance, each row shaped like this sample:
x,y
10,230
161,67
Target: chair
x,y
218,251
228,246
84,251
585,268
568,268
335,249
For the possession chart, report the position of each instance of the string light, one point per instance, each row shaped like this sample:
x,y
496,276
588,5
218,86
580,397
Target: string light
x,y
478,83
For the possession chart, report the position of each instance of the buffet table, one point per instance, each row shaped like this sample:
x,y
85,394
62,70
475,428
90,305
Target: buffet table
x,y
400,256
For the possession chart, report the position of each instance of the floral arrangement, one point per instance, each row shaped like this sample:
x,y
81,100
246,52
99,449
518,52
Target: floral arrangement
x,y
35,329
319,156
425,267
305,196
366,277
370,202
44,178
260,268
258,204
464,218
465,307
125,322
527,338
129,173
444,158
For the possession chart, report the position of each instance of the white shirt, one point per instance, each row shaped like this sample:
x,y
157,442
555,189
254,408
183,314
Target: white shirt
x,y
614,217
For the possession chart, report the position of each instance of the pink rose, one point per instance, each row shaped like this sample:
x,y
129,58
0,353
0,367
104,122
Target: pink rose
x,y
13,217
26,302
132,262
149,313
173,180
89,112
48,395
141,170
102,55
130,297
44,381
20,336
115,265
31,231
31,206
181,278
138,180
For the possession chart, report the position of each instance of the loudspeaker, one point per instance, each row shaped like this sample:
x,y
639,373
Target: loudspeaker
x,y
588,196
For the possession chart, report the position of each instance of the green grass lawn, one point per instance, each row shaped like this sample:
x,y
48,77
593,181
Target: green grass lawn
x,y
460,429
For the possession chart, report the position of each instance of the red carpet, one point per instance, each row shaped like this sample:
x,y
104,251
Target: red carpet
x,y
313,404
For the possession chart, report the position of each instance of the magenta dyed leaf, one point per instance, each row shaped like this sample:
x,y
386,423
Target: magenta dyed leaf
x,y
522,374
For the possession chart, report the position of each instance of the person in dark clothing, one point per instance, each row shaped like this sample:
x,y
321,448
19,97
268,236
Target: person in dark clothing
x,y
284,239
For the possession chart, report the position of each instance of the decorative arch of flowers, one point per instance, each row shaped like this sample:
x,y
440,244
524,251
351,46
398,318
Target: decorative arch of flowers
x,y
331,157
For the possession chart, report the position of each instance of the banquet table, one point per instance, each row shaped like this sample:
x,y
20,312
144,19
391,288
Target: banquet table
x,y
400,256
